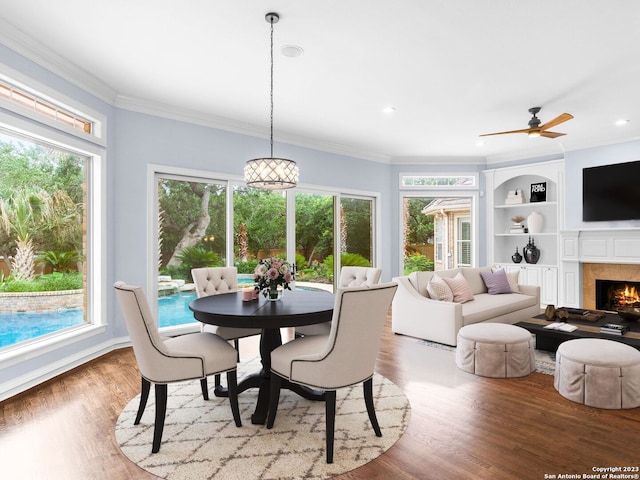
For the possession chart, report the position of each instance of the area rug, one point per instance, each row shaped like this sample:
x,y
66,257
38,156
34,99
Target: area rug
x,y
545,361
200,440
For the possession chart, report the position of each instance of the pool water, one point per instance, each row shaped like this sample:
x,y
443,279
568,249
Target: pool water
x,y
19,327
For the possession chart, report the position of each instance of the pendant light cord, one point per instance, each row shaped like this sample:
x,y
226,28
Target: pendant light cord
x,y
271,97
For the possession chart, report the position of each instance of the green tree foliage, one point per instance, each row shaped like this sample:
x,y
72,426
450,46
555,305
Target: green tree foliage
x,y
419,226
346,259
265,215
197,257
358,225
417,263
314,226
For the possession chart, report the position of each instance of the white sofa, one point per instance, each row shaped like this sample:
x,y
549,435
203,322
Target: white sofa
x,y
416,314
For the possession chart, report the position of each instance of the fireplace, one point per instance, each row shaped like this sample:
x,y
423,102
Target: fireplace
x,y
614,294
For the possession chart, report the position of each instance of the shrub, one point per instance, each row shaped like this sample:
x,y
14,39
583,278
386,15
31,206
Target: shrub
x,y
51,282
247,267
60,261
197,257
346,259
417,263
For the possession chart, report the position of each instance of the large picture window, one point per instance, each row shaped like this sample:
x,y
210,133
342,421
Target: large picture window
x,y
43,240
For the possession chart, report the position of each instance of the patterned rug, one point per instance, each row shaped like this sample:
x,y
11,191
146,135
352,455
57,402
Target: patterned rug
x,y
545,361
200,440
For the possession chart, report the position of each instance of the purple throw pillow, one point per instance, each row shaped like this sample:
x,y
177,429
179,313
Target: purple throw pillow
x,y
496,282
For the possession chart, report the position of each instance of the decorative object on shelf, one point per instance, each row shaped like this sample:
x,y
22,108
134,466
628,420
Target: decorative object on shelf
x,y
271,173
538,192
517,226
516,257
272,276
531,252
514,197
534,222
629,314
550,312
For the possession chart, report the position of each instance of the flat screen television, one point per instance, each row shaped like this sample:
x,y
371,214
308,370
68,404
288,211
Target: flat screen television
x,y
611,192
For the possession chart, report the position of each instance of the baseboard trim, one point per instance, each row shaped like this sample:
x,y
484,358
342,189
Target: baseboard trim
x,y
36,377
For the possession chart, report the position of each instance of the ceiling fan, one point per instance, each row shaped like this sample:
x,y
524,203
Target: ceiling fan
x,y
537,130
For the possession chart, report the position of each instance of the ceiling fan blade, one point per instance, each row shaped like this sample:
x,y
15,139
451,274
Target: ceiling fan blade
x,y
524,130
556,121
551,134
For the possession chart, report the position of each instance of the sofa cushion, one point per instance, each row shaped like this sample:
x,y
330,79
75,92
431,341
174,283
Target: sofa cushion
x,y
472,275
496,282
485,307
460,287
439,290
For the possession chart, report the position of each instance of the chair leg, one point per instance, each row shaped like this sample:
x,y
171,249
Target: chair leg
x,y
144,396
368,400
236,345
330,414
274,398
216,381
205,388
161,410
232,382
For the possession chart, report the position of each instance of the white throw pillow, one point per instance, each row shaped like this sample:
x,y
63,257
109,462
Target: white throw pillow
x,y
439,290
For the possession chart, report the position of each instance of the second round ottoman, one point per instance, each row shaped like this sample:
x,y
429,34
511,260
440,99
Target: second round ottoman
x,y
497,350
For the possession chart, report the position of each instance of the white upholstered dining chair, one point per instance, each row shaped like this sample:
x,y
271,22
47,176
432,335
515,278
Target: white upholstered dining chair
x,y
215,281
167,360
349,277
345,357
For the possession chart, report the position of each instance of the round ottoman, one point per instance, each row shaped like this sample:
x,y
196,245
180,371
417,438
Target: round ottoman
x,y
599,373
496,350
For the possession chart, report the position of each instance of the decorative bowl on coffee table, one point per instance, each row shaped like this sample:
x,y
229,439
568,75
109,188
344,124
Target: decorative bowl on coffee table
x,y
630,314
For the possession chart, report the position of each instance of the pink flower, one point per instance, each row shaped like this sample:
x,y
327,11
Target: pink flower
x,y
288,277
273,274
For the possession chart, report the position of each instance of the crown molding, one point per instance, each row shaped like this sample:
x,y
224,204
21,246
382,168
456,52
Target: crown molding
x,y
38,53
172,112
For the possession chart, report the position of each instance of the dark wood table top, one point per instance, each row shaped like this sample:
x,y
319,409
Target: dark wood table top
x,y
297,307
585,330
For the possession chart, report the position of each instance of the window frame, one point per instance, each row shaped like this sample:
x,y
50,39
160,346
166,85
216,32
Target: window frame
x,y
155,171
13,121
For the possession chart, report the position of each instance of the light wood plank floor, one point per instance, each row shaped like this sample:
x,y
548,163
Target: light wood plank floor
x,y
462,426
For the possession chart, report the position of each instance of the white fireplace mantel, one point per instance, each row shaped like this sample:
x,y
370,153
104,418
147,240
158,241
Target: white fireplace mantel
x,y
592,246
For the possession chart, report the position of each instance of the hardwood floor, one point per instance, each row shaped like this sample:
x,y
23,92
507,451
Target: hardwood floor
x,y
462,426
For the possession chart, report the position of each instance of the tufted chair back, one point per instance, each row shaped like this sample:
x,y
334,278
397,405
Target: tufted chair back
x,y
359,276
215,280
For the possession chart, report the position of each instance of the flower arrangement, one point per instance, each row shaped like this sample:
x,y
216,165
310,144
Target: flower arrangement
x,y
272,272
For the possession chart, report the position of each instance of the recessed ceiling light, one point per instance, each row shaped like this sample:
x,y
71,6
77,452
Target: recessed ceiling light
x,y
389,109
622,122
479,143
291,51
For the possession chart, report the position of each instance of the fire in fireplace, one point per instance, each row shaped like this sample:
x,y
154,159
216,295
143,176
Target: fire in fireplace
x,y
614,294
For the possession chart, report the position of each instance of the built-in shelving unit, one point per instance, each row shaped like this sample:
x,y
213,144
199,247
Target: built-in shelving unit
x,y
502,244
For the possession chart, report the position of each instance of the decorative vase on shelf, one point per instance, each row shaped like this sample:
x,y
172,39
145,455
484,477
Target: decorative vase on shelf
x,y
534,222
516,257
531,252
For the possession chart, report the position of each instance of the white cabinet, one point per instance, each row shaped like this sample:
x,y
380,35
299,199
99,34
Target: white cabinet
x,y
544,277
502,242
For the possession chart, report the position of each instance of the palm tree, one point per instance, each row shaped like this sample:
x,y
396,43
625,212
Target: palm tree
x,y
20,215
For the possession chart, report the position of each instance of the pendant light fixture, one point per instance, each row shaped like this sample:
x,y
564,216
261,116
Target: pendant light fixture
x,y
271,173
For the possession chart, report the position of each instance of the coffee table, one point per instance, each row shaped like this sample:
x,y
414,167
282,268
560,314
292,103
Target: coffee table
x,y
549,340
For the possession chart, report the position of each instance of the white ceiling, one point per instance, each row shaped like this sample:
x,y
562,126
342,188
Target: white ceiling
x,y
454,69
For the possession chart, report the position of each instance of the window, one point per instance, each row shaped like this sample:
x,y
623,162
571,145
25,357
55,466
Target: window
x,y
215,221
447,181
439,231
463,239
52,234
43,240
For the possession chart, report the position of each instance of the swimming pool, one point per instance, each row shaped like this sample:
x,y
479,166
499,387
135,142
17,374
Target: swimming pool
x,y
19,327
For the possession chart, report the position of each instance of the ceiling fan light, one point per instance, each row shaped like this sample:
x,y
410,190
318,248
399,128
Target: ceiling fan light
x,y
534,133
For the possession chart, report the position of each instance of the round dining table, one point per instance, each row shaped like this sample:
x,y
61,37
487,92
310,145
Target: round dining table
x,y
295,308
